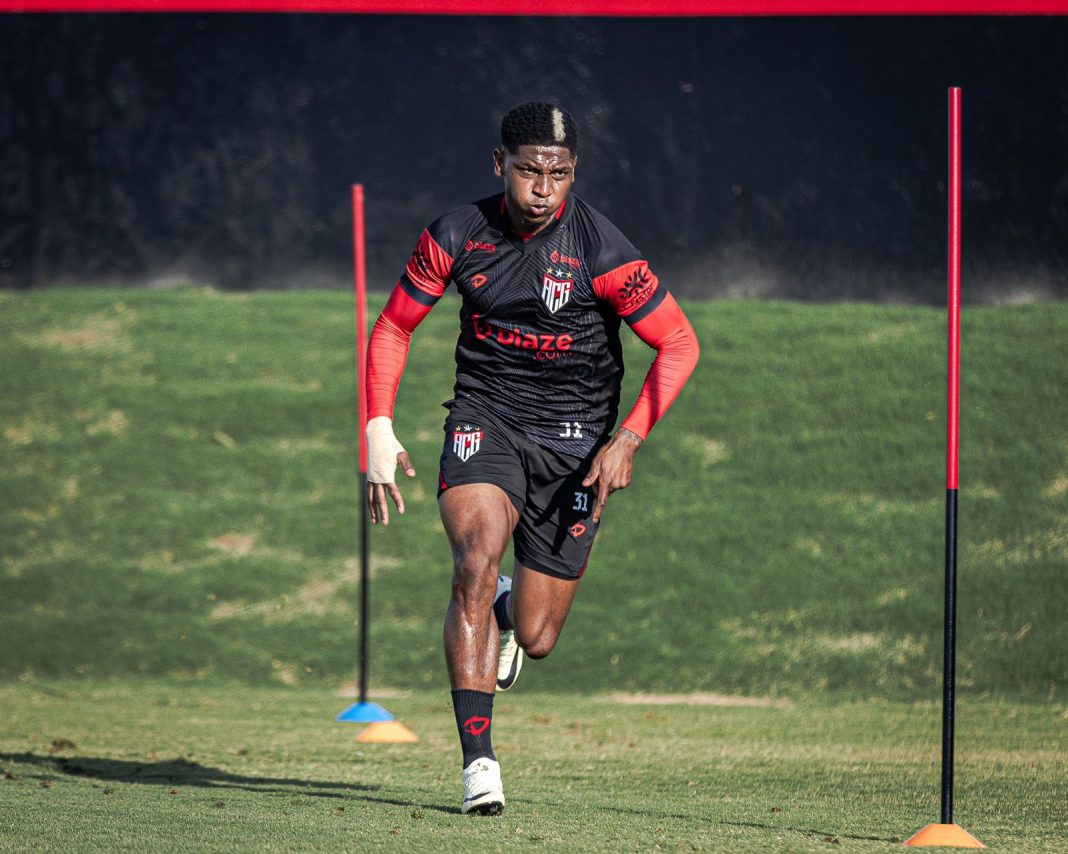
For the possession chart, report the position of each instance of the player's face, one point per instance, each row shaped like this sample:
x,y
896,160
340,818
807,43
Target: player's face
x,y
537,180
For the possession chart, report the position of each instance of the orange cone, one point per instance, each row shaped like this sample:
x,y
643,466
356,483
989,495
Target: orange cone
x,y
386,732
944,836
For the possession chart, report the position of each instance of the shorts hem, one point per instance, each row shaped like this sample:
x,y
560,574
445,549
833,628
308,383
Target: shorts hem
x,y
518,503
554,573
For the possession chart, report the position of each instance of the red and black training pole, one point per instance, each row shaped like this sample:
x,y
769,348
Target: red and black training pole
x,y
360,288
949,664
362,711
947,833
382,726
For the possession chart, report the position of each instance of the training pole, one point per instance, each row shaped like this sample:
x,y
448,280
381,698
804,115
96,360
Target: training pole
x,y
949,663
947,833
382,725
360,287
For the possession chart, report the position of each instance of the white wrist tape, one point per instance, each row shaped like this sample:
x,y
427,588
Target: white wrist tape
x,y
382,450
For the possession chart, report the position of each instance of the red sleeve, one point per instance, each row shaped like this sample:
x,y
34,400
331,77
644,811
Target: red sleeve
x,y
420,287
631,289
666,330
426,274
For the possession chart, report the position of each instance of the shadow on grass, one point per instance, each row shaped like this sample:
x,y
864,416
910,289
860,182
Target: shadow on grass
x,y
826,836
179,772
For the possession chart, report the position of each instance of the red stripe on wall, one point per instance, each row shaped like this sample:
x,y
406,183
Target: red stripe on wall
x,y
564,8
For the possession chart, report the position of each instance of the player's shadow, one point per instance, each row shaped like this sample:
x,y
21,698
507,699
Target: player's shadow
x,y
808,831
179,772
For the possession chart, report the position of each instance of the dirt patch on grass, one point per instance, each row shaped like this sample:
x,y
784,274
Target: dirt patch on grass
x,y
701,698
1036,546
893,595
710,451
28,431
18,435
809,546
851,643
97,334
378,564
284,673
238,545
318,597
115,423
864,506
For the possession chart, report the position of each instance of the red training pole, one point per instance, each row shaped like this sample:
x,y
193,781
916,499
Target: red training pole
x,y
953,242
360,286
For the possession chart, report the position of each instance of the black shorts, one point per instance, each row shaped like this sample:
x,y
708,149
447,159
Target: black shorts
x,y
555,533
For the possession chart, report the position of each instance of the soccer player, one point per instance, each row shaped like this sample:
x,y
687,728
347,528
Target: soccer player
x,y
530,454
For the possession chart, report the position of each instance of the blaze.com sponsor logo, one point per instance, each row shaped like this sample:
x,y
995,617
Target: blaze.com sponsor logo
x,y
544,346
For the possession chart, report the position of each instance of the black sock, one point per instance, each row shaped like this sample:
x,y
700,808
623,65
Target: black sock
x,y
474,713
500,611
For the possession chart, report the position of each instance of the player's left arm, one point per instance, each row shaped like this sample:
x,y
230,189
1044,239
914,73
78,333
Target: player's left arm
x,y
656,318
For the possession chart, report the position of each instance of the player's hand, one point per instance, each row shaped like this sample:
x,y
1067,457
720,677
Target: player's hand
x,y
377,492
384,454
611,468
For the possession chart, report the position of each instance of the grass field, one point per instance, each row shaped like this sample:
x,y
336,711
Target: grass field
x,y
178,590
152,766
179,499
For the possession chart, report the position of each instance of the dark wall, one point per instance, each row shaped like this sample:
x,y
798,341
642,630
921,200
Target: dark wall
x,y
792,157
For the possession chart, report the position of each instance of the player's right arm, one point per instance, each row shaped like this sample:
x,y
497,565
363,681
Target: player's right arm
x,y
419,288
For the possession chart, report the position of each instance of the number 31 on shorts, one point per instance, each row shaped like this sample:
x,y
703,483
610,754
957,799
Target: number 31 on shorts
x,y
582,502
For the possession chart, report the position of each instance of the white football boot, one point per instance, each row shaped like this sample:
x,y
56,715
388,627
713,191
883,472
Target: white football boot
x,y
483,790
510,657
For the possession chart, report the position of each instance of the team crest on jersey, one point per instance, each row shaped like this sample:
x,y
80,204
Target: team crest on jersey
x,y
555,292
466,440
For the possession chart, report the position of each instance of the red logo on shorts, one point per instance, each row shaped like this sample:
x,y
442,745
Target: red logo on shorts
x,y
478,280
577,530
476,725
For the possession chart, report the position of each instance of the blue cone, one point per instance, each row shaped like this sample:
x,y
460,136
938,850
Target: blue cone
x,y
364,713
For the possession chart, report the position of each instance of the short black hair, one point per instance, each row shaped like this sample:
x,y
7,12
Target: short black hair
x,y
538,123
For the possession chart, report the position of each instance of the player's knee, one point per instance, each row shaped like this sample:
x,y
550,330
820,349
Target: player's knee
x,y
536,644
539,650
474,574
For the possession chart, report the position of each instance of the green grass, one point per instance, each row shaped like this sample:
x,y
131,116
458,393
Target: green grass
x,y
178,500
149,766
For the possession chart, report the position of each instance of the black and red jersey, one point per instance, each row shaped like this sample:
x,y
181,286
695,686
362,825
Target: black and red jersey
x,y
539,340
539,344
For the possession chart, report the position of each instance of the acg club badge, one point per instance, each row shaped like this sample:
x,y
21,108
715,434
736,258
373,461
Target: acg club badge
x,y
466,440
555,292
